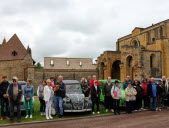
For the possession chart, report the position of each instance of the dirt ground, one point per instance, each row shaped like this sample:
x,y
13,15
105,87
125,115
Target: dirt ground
x,y
146,119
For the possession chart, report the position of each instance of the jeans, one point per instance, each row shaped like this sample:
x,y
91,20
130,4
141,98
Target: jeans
x,y
146,101
17,104
108,100
42,105
129,106
96,101
4,104
48,108
58,104
28,104
116,103
153,101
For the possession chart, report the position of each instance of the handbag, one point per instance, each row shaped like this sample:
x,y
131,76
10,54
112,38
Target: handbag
x,y
53,112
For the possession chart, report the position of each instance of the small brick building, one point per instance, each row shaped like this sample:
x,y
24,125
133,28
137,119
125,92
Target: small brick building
x,y
15,59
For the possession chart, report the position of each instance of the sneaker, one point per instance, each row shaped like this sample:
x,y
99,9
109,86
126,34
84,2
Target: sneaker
x,y
159,109
135,110
41,113
31,116
19,121
50,117
93,113
11,121
98,112
2,118
47,118
26,116
7,118
112,110
61,116
44,113
106,110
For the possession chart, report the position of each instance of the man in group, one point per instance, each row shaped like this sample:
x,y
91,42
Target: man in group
x,y
152,92
4,98
108,100
15,94
164,80
92,81
59,94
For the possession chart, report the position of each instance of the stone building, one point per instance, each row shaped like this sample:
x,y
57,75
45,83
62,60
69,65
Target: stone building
x,y
15,60
144,52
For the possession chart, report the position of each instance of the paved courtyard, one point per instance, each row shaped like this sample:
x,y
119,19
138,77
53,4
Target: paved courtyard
x,y
145,119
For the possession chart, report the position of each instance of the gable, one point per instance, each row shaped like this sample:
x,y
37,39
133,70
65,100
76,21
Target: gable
x,y
13,49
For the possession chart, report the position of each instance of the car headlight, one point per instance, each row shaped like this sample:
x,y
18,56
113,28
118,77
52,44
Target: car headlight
x,y
86,98
68,100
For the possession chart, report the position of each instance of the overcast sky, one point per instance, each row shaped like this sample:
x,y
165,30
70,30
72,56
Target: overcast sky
x,y
76,28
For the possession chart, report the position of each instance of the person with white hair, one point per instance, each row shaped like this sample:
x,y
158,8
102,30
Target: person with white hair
x,y
15,94
167,90
48,97
152,92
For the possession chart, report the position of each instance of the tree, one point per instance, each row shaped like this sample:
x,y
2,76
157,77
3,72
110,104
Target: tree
x,y
38,66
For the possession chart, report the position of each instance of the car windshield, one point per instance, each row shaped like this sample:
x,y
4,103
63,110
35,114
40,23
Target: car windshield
x,y
74,87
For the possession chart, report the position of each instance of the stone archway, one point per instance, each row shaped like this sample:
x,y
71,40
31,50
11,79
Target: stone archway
x,y
116,70
102,70
129,66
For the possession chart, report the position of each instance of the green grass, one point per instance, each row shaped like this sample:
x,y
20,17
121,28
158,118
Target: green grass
x,y
38,117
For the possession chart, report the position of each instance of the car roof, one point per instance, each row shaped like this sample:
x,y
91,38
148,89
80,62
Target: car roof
x,y
113,81
20,82
70,81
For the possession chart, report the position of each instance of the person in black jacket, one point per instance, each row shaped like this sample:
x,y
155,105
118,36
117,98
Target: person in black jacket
x,y
59,94
152,92
15,94
160,95
4,98
139,89
95,96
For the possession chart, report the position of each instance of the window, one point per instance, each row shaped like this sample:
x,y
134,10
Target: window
x,y
51,62
68,63
80,63
153,39
14,53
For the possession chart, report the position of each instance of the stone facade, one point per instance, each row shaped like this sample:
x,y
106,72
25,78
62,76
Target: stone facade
x,y
14,59
143,52
68,63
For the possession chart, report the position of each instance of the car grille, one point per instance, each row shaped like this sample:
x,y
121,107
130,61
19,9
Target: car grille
x,y
78,105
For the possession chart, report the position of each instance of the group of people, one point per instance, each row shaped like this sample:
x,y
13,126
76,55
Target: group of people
x,y
11,95
51,95
147,94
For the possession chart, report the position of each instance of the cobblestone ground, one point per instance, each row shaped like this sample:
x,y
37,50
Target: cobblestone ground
x,y
145,119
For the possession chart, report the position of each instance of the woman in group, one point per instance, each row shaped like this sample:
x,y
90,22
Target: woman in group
x,y
48,96
139,89
130,92
28,95
145,94
116,94
40,93
85,87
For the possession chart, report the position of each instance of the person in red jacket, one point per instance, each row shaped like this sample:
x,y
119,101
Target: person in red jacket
x,y
92,82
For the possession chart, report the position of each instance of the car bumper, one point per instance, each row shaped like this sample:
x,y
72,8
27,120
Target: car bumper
x,y
83,110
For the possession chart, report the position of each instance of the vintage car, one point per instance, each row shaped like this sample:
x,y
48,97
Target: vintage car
x,y
75,100
23,84
122,101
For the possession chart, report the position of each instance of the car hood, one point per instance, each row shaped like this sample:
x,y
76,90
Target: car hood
x,y
76,97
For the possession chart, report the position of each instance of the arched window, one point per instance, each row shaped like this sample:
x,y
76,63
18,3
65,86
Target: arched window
x,y
14,53
51,62
152,60
135,43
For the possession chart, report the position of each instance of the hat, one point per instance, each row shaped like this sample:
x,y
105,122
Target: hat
x,y
14,78
4,77
95,81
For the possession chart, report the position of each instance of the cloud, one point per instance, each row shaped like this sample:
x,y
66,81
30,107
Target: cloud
x,y
76,28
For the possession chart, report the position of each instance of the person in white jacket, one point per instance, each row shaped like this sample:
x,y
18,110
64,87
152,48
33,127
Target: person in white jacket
x,y
116,95
48,96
